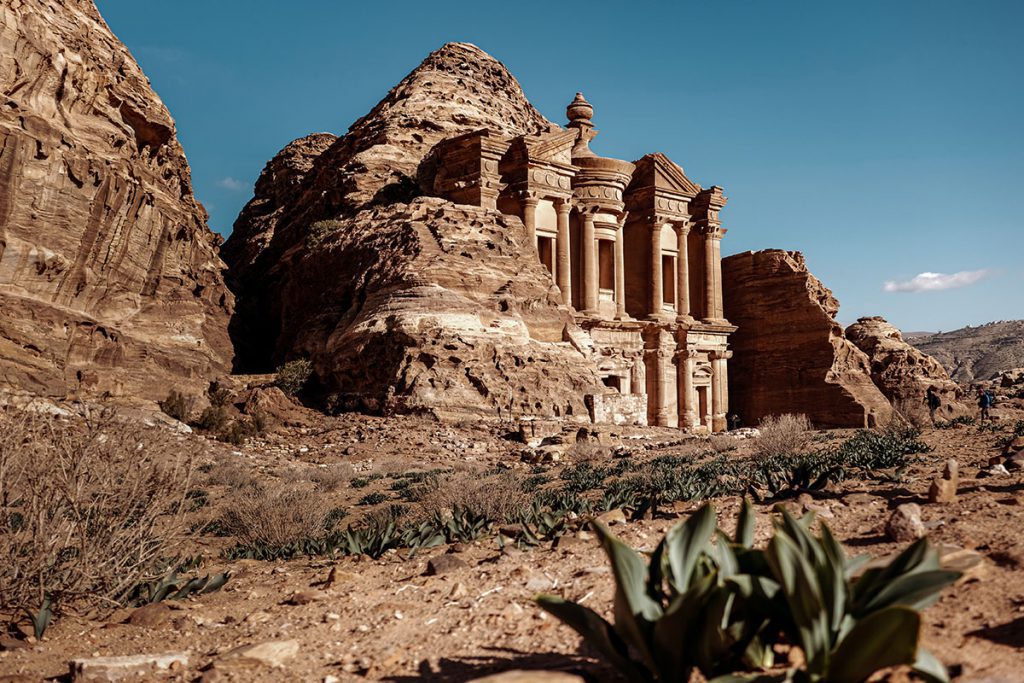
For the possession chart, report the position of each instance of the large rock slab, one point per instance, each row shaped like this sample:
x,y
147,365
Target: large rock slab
x,y
903,373
109,277
790,354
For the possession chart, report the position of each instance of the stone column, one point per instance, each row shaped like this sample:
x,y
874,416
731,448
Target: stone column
x,y
564,262
687,411
683,271
709,275
663,416
620,274
589,271
530,218
719,304
656,283
718,408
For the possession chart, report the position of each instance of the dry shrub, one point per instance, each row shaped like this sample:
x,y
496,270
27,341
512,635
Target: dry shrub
x,y
332,477
722,443
499,497
277,516
89,508
782,435
232,474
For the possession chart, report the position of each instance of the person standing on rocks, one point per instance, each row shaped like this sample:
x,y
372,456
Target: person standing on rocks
x,y
933,401
985,401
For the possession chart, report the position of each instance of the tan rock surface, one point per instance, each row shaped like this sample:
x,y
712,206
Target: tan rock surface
x,y
976,353
402,302
903,373
109,277
790,355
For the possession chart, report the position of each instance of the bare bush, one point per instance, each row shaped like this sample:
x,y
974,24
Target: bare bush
x,y
332,477
88,508
276,517
232,474
782,435
722,443
178,405
499,497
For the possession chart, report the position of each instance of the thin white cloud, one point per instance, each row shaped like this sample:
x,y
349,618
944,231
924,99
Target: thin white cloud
x,y
229,183
933,282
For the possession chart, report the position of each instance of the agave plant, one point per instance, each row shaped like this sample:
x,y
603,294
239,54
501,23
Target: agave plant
x,y
720,606
686,609
849,628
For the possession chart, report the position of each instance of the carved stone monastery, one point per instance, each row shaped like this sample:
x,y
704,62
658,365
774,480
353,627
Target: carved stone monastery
x,y
635,251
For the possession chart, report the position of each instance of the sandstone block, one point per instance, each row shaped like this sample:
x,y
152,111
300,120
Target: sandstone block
x,y
444,564
942,491
905,523
130,667
795,359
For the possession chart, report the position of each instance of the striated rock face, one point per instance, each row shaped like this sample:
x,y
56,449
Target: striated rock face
x,y
903,373
457,89
976,353
790,354
278,188
402,302
430,307
109,277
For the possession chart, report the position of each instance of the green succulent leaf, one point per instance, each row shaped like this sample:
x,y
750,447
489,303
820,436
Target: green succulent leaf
x,y
745,525
882,639
598,633
930,668
634,610
918,590
685,543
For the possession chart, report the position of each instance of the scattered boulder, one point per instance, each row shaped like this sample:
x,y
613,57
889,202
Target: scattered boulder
x,y
272,653
306,597
154,615
612,517
534,432
443,564
135,667
905,523
943,489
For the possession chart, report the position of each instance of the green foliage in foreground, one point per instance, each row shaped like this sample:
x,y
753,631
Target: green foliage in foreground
x,y
713,603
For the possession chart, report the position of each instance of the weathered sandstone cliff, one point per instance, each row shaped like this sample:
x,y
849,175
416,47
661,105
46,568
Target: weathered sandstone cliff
x,y
903,373
109,277
790,354
404,302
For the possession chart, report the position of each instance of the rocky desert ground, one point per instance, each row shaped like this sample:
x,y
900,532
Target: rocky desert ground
x,y
461,610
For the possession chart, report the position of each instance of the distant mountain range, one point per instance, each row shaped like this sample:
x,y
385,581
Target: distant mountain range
x,y
975,353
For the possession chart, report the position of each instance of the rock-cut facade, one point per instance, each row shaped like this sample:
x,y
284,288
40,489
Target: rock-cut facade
x,y
633,250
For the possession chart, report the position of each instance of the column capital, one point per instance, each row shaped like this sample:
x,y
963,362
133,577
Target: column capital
x,y
562,204
720,355
529,198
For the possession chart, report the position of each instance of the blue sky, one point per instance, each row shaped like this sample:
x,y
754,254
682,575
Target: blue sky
x,y
885,140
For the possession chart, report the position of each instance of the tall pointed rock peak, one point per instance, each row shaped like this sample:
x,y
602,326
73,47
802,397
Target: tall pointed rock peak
x,y
456,89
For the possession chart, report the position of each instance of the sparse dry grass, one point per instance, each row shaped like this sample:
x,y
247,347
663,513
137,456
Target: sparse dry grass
x,y
782,435
89,508
235,475
277,516
332,477
498,496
